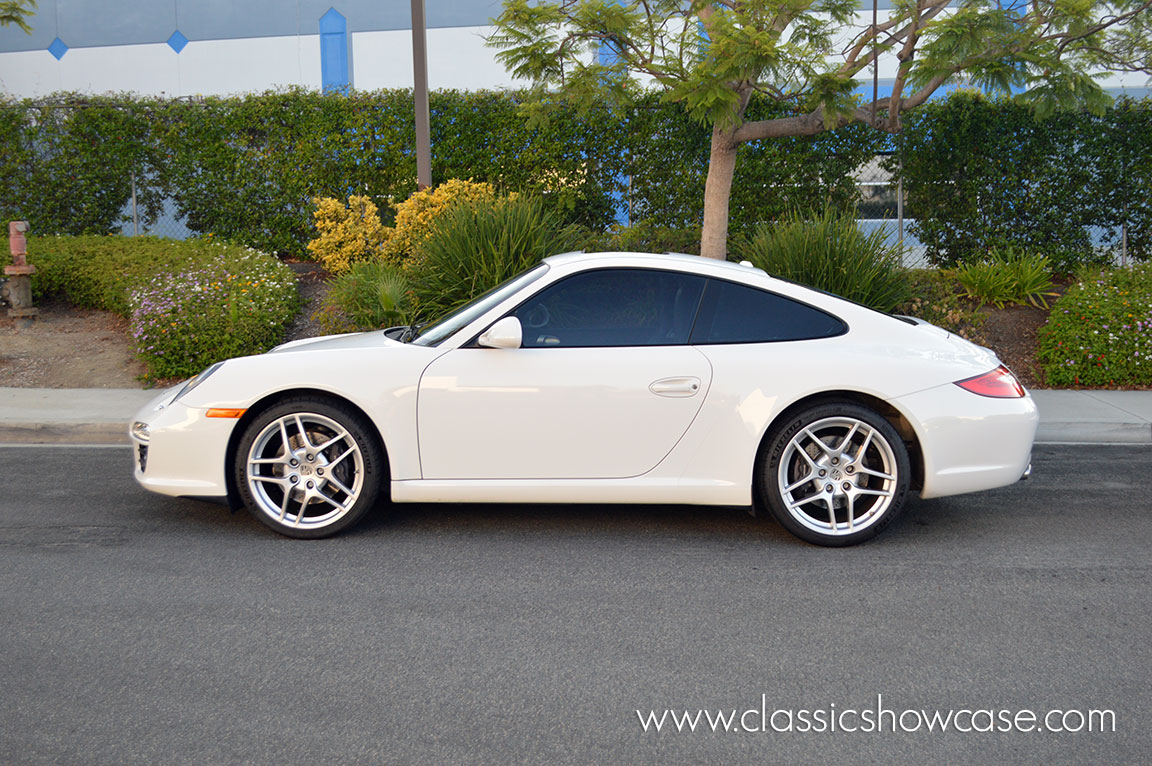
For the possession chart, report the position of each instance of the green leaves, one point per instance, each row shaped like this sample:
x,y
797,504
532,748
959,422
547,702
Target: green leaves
x,y
1006,276
829,252
475,247
982,174
1100,332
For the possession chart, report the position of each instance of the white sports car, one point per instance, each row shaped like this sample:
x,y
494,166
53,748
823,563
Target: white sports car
x,y
603,378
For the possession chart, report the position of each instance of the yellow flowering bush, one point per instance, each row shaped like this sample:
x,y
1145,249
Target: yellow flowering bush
x,y
348,234
416,216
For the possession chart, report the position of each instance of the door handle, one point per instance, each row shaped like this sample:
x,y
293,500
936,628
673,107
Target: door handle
x,y
675,387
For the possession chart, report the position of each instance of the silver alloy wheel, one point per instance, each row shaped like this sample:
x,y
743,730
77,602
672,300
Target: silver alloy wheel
x,y
305,470
837,476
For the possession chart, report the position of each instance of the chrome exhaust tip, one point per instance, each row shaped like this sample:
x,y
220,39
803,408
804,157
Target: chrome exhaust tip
x,y
1027,473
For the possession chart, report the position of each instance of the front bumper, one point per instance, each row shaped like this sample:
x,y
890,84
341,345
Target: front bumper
x,y
184,454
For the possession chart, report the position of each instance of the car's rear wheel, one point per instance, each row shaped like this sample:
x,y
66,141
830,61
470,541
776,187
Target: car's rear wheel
x,y
835,474
308,467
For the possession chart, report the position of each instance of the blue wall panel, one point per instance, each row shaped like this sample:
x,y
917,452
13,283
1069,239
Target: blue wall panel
x,y
333,51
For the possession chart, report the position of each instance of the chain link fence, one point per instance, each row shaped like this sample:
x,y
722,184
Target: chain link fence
x,y
881,207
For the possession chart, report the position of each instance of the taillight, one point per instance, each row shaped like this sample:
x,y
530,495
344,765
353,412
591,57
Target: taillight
x,y
999,384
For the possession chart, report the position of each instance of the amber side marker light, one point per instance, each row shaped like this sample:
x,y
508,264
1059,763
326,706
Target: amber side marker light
x,y
218,412
998,384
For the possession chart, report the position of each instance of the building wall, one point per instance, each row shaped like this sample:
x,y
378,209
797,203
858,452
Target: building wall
x,y
202,47
219,47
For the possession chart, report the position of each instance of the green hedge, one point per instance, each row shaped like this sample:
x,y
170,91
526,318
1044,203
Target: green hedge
x,y
246,168
189,303
978,173
982,174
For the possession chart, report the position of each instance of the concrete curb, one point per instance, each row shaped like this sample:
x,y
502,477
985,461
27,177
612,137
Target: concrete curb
x,y
64,433
1094,433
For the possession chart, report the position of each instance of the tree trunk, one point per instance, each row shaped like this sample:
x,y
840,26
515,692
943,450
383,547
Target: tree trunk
x,y
717,190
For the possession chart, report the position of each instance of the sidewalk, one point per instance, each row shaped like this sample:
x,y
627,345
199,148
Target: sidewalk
x,y
100,416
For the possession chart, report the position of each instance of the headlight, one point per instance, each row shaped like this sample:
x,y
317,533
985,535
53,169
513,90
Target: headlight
x,y
196,380
141,431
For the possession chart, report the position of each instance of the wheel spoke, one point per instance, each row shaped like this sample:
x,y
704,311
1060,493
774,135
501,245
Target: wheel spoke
x,y
848,439
267,461
819,442
831,511
876,492
851,511
279,480
340,486
343,455
330,442
284,504
877,474
801,482
330,501
864,446
797,504
286,447
303,432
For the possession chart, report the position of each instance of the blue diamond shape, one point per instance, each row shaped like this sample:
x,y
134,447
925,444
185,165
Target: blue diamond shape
x,y
58,48
177,41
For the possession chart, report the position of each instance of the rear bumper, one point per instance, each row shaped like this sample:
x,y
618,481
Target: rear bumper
x,y
970,442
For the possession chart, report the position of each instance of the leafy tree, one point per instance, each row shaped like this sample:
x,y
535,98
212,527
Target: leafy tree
x,y
16,12
711,56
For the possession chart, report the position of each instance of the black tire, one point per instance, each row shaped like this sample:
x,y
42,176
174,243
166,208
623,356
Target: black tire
x,y
340,480
850,482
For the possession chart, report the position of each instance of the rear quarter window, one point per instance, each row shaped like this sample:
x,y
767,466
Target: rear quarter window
x,y
733,313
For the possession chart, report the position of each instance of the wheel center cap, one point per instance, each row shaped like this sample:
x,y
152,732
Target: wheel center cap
x,y
305,469
835,474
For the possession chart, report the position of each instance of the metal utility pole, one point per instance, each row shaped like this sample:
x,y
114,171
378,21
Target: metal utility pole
x,y
420,91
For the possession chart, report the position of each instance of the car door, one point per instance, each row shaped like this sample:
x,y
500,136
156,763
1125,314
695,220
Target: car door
x,y
603,386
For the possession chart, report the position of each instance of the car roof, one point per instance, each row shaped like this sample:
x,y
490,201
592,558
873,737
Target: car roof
x,y
651,260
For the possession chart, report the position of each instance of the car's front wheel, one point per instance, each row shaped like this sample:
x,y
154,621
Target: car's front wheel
x,y
308,467
835,474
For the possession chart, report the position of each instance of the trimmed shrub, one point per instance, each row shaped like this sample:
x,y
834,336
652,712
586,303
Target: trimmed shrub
x,y
189,303
478,245
1099,332
981,173
417,216
348,233
369,296
829,252
184,321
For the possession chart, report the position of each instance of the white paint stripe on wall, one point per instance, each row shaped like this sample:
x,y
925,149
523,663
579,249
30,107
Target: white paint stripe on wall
x,y
457,58
255,64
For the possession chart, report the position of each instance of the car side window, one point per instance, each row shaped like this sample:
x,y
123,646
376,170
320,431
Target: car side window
x,y
612,307
733,313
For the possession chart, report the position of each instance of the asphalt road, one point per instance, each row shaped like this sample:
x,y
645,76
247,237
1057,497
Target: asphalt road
x,y
139,629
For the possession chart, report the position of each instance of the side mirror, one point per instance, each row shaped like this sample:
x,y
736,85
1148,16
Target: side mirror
x,y
506,333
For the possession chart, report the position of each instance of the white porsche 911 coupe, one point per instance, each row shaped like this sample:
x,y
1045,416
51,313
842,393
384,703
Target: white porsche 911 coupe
x,y
603,378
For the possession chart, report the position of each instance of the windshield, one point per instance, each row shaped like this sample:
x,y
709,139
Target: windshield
x,y
446,326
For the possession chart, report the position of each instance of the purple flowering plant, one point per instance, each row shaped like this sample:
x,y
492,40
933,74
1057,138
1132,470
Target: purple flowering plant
x,y
1100,332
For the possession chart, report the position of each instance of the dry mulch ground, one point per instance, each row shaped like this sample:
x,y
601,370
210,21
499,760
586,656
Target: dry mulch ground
x,y
69,347
1011,333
